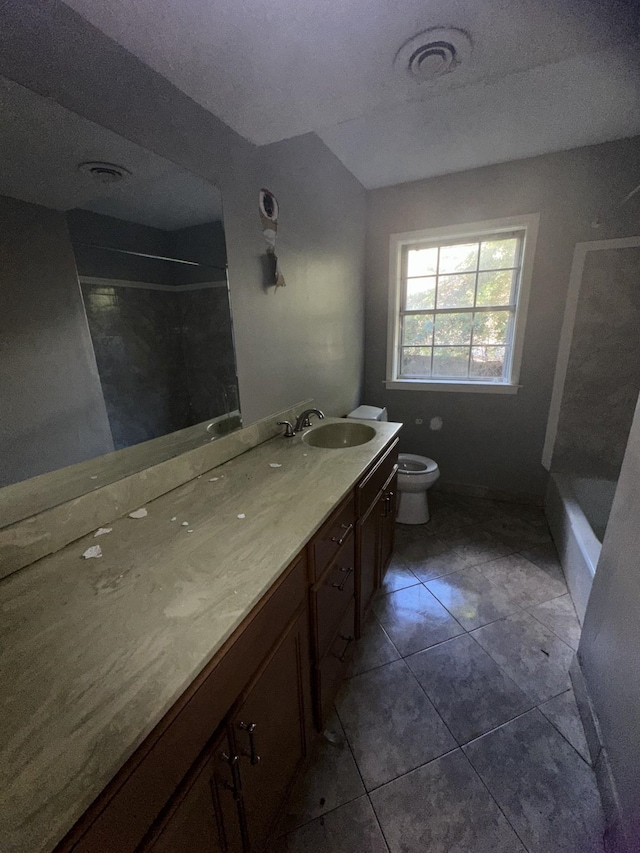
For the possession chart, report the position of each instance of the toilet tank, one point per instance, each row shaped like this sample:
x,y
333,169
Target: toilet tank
x,y
369,413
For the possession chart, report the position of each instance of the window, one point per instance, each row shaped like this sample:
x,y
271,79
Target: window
x,y
458,304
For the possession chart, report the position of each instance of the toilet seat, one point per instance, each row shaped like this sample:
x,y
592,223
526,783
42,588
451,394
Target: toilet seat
x,y
410,464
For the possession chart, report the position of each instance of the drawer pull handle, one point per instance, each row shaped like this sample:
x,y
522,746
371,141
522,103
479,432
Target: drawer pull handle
x,y
387,504
348,641
234,787
347,530
250,728
347,574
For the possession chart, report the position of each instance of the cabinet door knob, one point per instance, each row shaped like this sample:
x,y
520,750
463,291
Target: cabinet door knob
x,y
250,728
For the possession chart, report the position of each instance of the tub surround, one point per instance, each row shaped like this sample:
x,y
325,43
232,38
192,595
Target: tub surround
x,y
98,650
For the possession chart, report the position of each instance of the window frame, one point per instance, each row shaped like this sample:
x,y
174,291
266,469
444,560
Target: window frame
x,y
528,224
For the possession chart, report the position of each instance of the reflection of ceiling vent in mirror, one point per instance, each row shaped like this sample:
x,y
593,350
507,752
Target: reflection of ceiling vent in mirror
x,y
104,173
433,53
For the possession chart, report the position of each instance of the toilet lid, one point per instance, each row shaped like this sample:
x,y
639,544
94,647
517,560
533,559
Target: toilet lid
x,y
409,463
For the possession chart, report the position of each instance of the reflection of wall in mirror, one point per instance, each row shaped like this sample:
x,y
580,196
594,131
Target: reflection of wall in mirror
x,y
52,411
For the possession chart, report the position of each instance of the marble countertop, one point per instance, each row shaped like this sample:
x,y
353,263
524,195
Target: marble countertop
x,y
93,652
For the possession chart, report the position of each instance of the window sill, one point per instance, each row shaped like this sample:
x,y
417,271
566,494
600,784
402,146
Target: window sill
x,y
460,387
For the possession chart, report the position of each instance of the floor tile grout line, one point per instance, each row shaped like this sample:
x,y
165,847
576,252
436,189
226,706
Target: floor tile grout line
x,y
348,742
515,613
366,792
477,627
455,739
499,665
498,806
468,630
562,595
456,748
502,725
540,622
561,733
505,674
518,553
324,814
375,814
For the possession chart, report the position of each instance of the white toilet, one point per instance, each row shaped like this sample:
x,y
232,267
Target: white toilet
x,y
416,474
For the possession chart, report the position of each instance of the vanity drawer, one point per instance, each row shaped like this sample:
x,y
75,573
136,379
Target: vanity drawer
x,y
331,537
373,483
330,672
331,595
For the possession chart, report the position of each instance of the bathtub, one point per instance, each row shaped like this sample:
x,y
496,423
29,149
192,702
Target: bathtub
x,y
577,509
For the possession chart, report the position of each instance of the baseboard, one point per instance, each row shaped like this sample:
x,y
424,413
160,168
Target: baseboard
x,y
615,839
471,491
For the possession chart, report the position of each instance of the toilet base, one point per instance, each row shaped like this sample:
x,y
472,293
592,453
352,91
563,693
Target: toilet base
x,y
413,508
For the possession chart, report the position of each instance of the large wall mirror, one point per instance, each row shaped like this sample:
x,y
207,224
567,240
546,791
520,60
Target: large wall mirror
x,y
115,323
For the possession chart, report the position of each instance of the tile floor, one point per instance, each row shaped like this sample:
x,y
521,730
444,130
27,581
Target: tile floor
x,y
456,729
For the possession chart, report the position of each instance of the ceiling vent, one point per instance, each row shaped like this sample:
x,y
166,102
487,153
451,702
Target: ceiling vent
x,y
104,173
433,53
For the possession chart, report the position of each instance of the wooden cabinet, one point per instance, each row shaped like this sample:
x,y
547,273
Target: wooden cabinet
x,y
215,771
332,604
358,534
229,801
176,772
387,505
203,815
269,729
375,529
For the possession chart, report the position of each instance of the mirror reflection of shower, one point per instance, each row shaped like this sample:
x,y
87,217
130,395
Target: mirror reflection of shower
x,y
160,323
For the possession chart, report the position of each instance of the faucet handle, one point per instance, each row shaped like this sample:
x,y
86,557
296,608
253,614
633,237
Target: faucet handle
x,y
289,431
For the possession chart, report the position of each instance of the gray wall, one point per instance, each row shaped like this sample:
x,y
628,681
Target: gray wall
x,y
305,340
489,440
603,375
610,644
52,410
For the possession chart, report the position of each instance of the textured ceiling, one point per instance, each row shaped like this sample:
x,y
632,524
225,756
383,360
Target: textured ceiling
x,y
275,69
42,144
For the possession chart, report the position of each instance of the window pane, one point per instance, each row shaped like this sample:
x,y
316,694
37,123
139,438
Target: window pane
x,y
456,291
450,361
487,361
418,330
494,288
453,329
491,327
422,261
421,293
460,258
416,361
496,254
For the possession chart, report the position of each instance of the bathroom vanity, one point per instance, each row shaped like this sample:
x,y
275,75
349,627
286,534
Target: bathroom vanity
x,y
164,696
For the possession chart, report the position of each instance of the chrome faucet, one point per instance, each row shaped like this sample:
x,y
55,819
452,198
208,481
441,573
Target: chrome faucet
x,y
303,419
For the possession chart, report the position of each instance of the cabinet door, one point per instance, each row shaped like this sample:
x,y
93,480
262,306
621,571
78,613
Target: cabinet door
x,y
271,730
203,815
368,549
387,506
